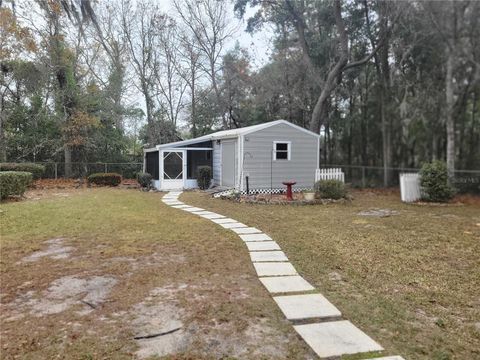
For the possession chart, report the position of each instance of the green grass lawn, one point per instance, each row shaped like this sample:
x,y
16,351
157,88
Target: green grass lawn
x,y
176,263
411,281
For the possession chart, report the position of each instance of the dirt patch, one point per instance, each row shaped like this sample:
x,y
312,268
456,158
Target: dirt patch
x,y
55,250
157,325
64,293
155,259
378,212
169,321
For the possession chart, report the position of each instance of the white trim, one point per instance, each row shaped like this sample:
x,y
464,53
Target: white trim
x,y
276,122
318,153
150,150
289,150
187,148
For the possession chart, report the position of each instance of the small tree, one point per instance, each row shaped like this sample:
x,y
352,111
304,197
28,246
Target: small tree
x,y
145,180
434,182
204,177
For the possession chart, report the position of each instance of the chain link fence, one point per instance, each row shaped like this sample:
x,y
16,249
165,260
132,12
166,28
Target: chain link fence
x,y
465,181
56,170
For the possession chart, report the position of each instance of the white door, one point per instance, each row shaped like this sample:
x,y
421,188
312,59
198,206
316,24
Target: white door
x,y
173,170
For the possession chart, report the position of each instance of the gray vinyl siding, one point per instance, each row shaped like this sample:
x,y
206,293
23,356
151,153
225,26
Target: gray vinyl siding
x,y
217,163
300,168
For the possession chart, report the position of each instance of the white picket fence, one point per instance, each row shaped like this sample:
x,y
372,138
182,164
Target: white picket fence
x,y
329,174
410,187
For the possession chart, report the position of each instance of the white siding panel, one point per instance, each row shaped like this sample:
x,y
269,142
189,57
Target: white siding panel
x,y
217,163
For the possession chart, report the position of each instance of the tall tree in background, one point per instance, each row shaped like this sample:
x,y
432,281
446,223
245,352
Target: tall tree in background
x,y
142,25
189,68
456,23
208,23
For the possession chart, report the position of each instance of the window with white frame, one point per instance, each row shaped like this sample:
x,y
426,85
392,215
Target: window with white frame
x,y
281,150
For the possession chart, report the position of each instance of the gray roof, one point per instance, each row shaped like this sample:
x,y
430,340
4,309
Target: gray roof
x,y
226,134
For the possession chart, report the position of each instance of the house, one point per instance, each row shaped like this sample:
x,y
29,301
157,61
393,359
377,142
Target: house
x,y
263,155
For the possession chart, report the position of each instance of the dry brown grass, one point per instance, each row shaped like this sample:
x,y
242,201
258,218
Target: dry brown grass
x,y
411,281
146,246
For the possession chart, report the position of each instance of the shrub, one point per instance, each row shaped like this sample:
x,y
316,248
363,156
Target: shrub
x,y
36,169
105,179
145,180
204,177
14,183
434,182
330,189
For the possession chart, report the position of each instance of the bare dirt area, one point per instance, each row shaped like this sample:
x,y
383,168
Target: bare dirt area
x,y
112,273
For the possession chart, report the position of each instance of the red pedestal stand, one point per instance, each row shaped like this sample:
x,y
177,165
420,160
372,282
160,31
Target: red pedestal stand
x,y
289,185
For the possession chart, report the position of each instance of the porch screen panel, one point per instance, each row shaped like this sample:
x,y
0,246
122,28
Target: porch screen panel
x,y
197,158
152,164
172,165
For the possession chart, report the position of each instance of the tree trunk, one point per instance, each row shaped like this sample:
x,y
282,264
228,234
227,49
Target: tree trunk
x,y
3,144
193,110
450,121
68,161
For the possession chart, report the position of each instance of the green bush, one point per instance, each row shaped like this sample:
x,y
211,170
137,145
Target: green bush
x,y
105,179
330,189
145,180
36,169
14,183
204,177
434,182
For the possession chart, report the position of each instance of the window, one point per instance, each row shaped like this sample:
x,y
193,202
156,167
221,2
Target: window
x,y
281,150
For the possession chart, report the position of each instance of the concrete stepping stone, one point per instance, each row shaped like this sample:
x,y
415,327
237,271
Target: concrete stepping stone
x,y
285,284
255,237
194,209
274,269
204,212
298,307
336,338
396,357
212,216
183,206
262,245
224,221
234,225
264,256
247,230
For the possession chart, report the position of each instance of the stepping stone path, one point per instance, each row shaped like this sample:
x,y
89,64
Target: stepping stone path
x,y
314,318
